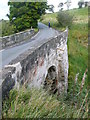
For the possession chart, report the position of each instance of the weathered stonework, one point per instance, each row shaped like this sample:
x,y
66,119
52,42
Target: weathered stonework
x,y
15,38
32,67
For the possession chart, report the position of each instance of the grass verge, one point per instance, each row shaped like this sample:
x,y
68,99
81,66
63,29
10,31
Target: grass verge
x,y
37,103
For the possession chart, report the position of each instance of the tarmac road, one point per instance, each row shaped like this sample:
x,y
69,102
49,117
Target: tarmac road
x,y
42,36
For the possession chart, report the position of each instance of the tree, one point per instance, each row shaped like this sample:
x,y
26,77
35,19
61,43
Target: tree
x,y
86,4
50,8
68,3
61,6
23,15
81,3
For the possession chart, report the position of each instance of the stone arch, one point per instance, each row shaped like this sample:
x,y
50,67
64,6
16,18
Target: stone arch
x,y
50,82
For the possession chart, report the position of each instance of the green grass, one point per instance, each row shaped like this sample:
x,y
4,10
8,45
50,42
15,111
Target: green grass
x,y
77,40
34,103
79,16
77,45
37,103
36,30
77,50
6,28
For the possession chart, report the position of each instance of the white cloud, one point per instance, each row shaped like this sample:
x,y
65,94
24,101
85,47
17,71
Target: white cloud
x,y
4,9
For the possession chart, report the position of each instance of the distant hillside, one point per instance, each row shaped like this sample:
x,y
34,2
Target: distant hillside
x,y
80,15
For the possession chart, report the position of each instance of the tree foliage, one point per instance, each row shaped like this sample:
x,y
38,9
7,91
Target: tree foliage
x,y
86,4
68,4
61,6
23,15
81,3
50,8
7,28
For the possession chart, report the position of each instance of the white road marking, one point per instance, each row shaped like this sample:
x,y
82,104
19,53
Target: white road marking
x,y
35,35
2,50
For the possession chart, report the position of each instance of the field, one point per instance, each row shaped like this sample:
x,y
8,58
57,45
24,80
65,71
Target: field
x,y
79,16
38,103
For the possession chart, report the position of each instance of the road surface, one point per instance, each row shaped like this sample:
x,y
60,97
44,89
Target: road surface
x,y
42,36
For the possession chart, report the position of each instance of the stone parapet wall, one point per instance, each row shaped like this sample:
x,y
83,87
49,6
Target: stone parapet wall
x,y
16,38
31,67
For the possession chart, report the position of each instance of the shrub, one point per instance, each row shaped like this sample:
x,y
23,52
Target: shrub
x,y
64,19
7,28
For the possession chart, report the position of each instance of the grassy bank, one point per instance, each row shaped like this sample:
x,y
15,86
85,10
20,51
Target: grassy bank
x,y
77,40
37,103
79,16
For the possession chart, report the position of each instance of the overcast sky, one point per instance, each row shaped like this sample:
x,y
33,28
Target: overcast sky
x,y
4,9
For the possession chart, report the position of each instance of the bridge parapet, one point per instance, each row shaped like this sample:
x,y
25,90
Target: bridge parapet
x,y
16,38
32,66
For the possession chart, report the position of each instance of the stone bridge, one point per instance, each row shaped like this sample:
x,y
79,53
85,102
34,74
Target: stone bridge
x,y
46,66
